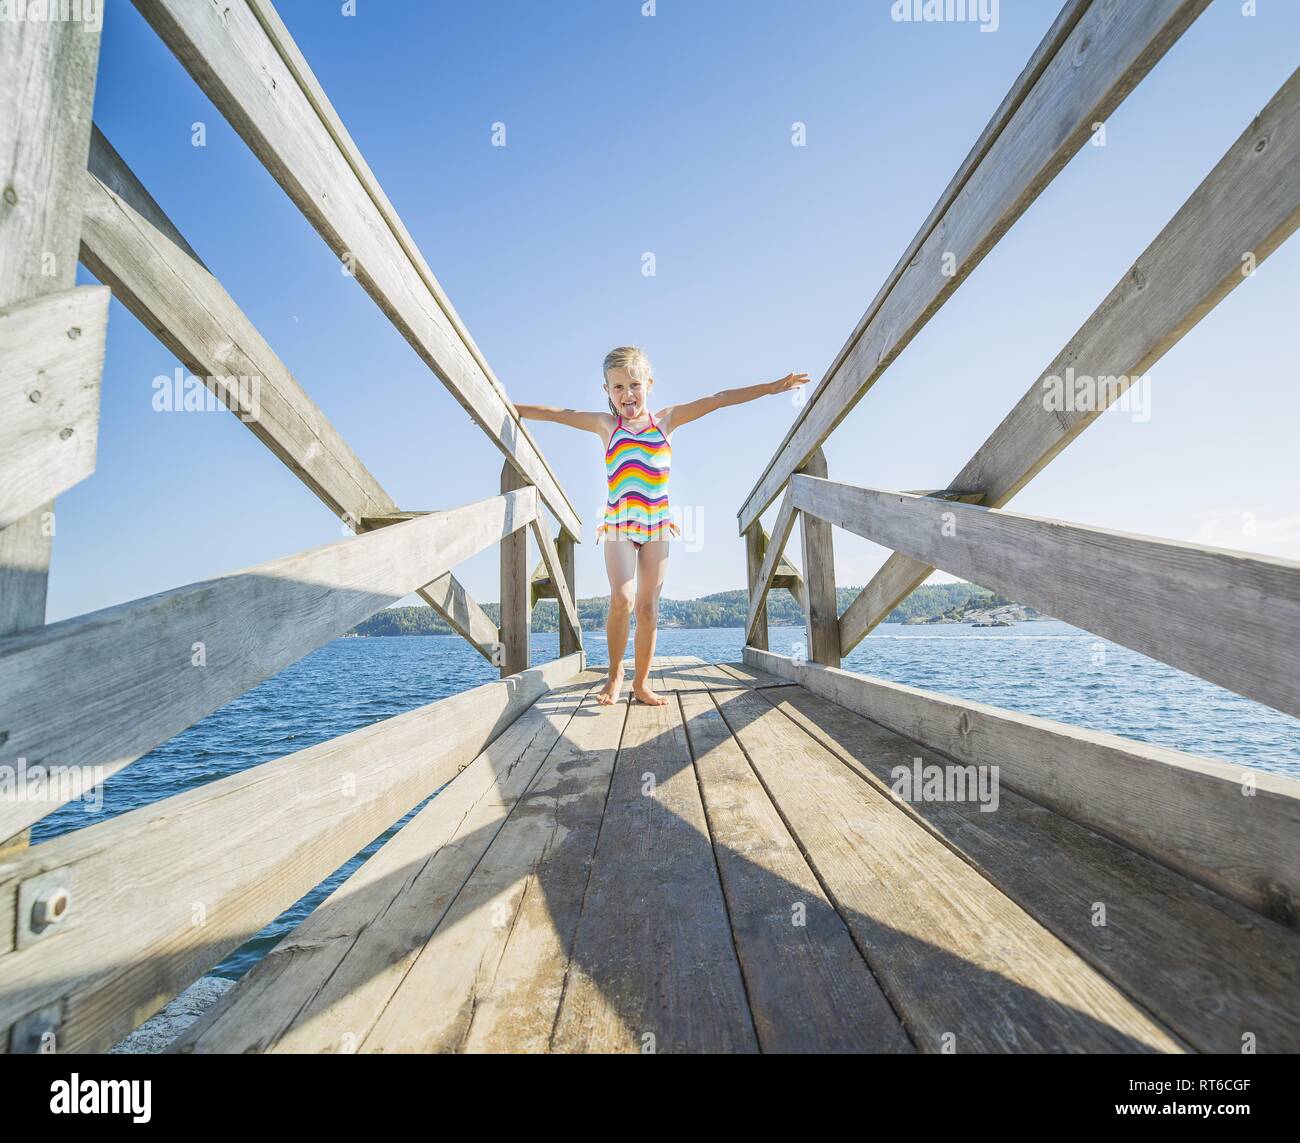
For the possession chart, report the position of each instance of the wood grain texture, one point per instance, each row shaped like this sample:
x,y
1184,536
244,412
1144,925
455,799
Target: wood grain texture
x,y
1103,57
1249,203
49,68
560,580
129,243
1231,828
1230,617
324,986
1050,44
96,692
201,872
821,617
51,354
1164,937
966,967
243,58
492,976
515,612
654,899
756,540
773,550
808,987
448,597
570,637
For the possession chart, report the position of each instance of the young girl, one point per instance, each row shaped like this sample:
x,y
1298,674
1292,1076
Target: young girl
x,y
636,529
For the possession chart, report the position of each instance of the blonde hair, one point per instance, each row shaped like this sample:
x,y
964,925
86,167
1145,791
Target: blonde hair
x,y
631,358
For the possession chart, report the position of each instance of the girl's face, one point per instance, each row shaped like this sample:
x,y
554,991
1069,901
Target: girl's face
x,y
628,395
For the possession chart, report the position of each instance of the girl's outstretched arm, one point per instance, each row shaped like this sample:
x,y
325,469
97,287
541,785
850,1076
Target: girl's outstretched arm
x,y
675,416
598,423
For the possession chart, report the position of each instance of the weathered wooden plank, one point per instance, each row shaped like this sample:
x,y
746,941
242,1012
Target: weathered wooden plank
x,y
447,596
51,354
821,617
491,977
1246,207
1227,616
243,58
965,967
515,614
570,637
1050,44
807,984
1162,938
755,549
654,968
24,568
201,872
85,693
551,558
1232,828
49,68
129,243
322,987
684,675
752,677
1102,58
775,546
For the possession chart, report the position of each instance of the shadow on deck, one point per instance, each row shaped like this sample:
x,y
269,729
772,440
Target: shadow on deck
x,y
731,873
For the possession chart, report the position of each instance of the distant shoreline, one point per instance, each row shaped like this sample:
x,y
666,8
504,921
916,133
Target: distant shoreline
x,y
938,604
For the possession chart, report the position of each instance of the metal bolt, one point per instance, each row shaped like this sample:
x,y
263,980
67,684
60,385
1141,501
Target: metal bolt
x,y
64,434
11,196
34,396
74,332
50,907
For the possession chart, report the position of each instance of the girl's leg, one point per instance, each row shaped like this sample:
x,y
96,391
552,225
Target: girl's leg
x,y
651,567
620,565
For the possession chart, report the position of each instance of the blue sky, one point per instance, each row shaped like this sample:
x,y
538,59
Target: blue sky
x,y
672,134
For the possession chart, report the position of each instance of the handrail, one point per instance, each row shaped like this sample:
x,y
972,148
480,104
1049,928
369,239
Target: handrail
x,y
85,693
130,244
1247,206
1105,54
134,934
1227,616
244,62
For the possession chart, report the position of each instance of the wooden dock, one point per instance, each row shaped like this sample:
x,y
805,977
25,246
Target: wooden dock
x,y
733,873
788,856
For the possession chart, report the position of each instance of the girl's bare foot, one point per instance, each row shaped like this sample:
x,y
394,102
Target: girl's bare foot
x,y
645,695
609,692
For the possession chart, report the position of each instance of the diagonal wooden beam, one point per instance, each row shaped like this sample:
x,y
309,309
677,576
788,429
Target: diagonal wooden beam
x,y
244,59
130,244
551,558
1245,208
448,597
1092,68
775,546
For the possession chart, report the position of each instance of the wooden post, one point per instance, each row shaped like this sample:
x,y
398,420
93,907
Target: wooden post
x,y
514,587
50,68
570,640
755,549
819,579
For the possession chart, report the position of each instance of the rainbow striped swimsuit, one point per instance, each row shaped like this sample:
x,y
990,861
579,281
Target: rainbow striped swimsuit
x,y
636,469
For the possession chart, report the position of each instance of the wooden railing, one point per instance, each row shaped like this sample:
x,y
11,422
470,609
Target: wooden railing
x,y
101,926
1090,60
1229,617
